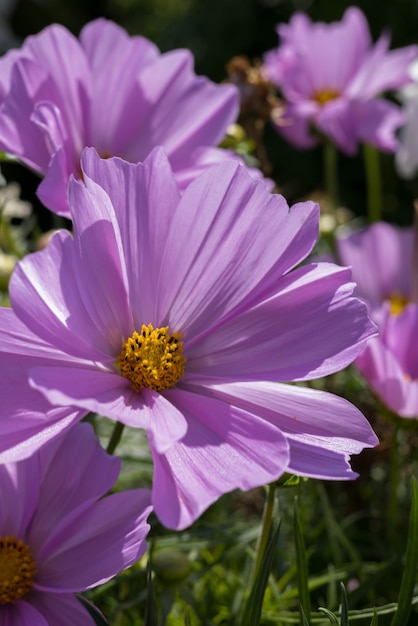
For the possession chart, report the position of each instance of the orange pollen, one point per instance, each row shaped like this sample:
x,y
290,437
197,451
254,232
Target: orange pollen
x,y
326,95
152,358
17,569
397,303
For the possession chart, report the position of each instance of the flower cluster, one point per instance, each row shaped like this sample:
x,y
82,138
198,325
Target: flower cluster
x,y
181,304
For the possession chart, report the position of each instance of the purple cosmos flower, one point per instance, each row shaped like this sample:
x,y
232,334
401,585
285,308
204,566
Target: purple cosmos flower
x,y
111,91
389,362
58,536
178,314
382,258
330,76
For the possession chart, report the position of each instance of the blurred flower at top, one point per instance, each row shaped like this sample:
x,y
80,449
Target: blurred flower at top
x,y
407,155
181,321
111,91
59,536
384,265
331,77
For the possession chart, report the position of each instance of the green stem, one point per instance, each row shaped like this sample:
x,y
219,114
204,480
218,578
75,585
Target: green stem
x,y
374,183
265,528
331,172
392,518
8,237
115,437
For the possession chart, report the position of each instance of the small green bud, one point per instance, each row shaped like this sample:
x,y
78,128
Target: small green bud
x,y
171,566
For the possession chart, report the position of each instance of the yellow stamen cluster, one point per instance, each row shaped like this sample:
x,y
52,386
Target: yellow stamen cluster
x,y
397,303
152,358
17,569
325,95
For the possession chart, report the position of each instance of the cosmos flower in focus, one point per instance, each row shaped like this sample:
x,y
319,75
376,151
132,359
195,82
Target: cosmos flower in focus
x,y
382,260
58,536
117,93
178,314
331,77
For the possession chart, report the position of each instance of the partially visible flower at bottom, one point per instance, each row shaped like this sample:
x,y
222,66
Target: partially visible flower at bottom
x,y
58,536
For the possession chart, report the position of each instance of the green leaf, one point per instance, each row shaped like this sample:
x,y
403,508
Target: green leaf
x,y
331,616
301,564
411,563
254,604
375,619
303,620
344,607
98,618
151,609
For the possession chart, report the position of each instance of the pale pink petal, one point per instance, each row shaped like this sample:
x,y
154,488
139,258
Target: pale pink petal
x,y
97,544
59,310
18,134
98,391
115,61
388,380
234,253
382,70
19,484
60,609
57,51
380,256
179,110
62,492
376,122
322,430
144,198
312,327
224,448
23,613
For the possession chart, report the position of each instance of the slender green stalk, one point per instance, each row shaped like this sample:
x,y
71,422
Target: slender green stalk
x,y
302,567
374,183
406,591
265,529
115,437
9,240
392,518
331,173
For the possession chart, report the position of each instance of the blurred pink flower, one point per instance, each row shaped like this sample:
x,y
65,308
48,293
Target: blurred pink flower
x,y
178,314
407,154
382,260
111,91
58,536
331,77
389,362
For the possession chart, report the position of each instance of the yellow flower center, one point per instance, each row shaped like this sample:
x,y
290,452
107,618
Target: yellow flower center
x,y
152,358
397,303
17,569
325,95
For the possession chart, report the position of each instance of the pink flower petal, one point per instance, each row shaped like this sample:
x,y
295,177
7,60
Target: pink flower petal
x,y
114,528
225,448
